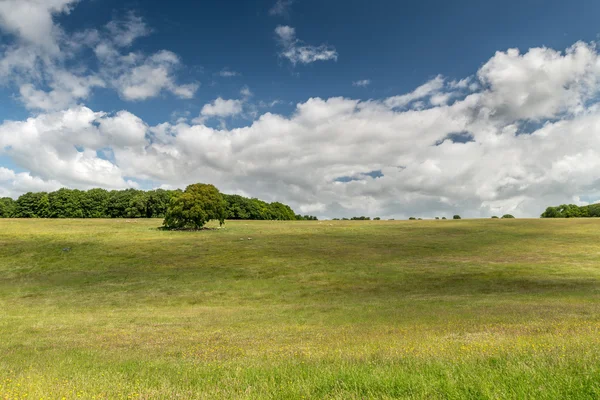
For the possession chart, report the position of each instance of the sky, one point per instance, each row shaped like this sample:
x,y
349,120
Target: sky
x,y
338,108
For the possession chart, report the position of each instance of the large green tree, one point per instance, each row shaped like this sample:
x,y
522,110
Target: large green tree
x,y
197,205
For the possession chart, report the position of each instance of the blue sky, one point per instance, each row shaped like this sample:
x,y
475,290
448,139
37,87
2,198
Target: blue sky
x,y
397,45
362,57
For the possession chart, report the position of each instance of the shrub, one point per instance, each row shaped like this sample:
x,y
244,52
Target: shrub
x,y
456,217
494,217
507,216
412,219
443,217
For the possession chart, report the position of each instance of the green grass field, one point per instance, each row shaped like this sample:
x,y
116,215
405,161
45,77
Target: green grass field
x,y
344,310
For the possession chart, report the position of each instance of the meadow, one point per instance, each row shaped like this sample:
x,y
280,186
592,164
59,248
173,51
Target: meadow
x,y
480,309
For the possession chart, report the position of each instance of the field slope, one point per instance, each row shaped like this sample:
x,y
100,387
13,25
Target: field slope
x,y
420,309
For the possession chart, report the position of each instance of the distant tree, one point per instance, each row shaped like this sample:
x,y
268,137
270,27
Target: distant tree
x,y
138,206
345,219
456,217
281,212
494,217
32,205
197,205
376,219
7,207
443,217
507,216
158,201
437,217
94,202
412,219
420,219
65,203
119,203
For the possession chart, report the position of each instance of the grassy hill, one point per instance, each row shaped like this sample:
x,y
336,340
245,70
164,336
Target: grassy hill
x,y
332,309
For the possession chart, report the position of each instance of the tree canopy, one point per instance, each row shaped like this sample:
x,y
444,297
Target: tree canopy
x,y
197,205
130,203
572,211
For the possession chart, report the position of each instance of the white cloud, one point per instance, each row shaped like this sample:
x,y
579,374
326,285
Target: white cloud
x,y
139,78
125,31
32,20
533,130
281,8
222,108
296,52
42,60
427,89
362,83
246,92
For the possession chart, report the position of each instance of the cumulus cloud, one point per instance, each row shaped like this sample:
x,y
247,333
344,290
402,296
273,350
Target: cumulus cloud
x,y
125,31
139,78
43,61
222,108
520,134
427,89
32,20
296,51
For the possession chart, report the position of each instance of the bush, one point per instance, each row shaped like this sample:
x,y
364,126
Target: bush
x,y
507,216
437,217
197,205
443,217
376,219
456,217
494,217
412,219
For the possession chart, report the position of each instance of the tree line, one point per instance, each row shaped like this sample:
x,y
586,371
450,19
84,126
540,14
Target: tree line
x,y
132,203
572,211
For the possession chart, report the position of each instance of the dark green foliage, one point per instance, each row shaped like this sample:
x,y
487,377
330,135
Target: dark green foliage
x,y
120,203
197,205
32,205
239,207
360,219
494,217
507,216
7,207
456,217
443,217
572,211
377,219
412,219
306,218
94,203
130,203
65,203
437,217
281,212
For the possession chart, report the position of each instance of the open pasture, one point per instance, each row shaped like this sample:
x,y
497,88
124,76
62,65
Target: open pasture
x,y
102,309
